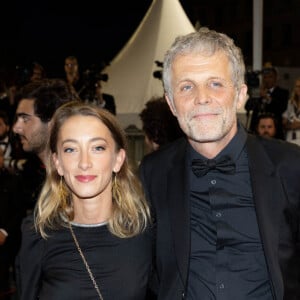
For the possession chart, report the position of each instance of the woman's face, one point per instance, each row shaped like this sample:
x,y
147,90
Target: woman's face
x,y
87,157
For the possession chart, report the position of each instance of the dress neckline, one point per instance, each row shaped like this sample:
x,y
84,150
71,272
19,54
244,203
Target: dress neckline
x,y
89,225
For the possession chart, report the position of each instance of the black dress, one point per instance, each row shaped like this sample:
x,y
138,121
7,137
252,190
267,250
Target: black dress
x,y
53,268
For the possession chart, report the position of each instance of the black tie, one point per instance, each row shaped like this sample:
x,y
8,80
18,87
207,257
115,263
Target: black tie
x,y
224,164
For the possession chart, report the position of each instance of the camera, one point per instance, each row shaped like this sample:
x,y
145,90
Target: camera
x,y
158,73
253,83
90,77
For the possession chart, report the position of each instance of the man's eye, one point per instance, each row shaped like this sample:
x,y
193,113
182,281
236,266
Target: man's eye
x,y
216,84
186,87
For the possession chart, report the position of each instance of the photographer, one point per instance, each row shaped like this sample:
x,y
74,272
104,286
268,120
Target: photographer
x,y
93,78
105,101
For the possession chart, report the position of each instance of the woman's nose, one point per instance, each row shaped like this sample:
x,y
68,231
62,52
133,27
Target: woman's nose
x,y
85,161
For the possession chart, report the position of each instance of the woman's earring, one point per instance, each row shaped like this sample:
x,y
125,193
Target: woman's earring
x,y
115,189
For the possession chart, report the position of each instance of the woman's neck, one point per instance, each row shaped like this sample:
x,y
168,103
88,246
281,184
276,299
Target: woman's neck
x,y
87,211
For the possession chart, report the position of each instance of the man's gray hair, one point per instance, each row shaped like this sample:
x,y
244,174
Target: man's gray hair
x,y
207,42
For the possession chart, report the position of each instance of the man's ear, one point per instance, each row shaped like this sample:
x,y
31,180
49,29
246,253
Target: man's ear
x,y
171,105
242,96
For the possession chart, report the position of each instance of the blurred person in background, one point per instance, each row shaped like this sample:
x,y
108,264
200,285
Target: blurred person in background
x,y
266,125
37,72
103,100
159,124
11,148
273,99
11,215
73,76
291,117
37,102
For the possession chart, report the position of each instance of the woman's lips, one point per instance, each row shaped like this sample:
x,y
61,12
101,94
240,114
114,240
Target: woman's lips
x,y
85,178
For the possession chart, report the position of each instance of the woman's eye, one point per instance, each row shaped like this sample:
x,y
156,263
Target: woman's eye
x,y
68,150
99,148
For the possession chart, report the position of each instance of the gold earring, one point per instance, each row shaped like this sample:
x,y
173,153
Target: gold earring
x,y
115,190
61,190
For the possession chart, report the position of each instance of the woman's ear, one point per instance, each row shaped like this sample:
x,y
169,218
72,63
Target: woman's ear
x,y
121,155
57,164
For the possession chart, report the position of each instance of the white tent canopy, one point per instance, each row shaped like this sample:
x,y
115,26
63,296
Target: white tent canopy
x,y
131,79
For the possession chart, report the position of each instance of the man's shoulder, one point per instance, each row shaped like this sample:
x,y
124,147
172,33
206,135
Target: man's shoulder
x,y
166,152
279,150
107,97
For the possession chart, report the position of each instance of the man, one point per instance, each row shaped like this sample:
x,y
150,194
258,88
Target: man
x,y
225,203
12,153
37,103
273,99
37,72
103,100
266,125
5,144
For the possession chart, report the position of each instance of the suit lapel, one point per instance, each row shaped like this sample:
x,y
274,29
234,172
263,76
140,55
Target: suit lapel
x,y
178,201
267,194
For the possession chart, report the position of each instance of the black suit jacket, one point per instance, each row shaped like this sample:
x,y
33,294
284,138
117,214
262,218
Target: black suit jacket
x,y
11,214
110,104
275,176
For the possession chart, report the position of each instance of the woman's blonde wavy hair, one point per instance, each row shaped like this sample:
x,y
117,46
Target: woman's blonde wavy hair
x,y
295,99
54,208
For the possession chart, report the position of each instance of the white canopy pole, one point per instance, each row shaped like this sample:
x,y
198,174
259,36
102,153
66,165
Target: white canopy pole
x,y
257,54
257,34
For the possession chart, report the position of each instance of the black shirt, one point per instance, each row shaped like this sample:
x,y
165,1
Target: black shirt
x,y
53,269
227,259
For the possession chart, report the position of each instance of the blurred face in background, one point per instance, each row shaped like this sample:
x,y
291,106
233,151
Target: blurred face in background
x,y
71,65
32,131
4,129
266,127
297,88
37,74
269,80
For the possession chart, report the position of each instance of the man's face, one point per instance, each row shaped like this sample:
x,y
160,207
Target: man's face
x,y
4,129
37,74
269,80
205,99
32,131
266,127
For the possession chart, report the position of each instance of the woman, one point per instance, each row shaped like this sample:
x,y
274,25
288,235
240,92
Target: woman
x,y
90,238
291,117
